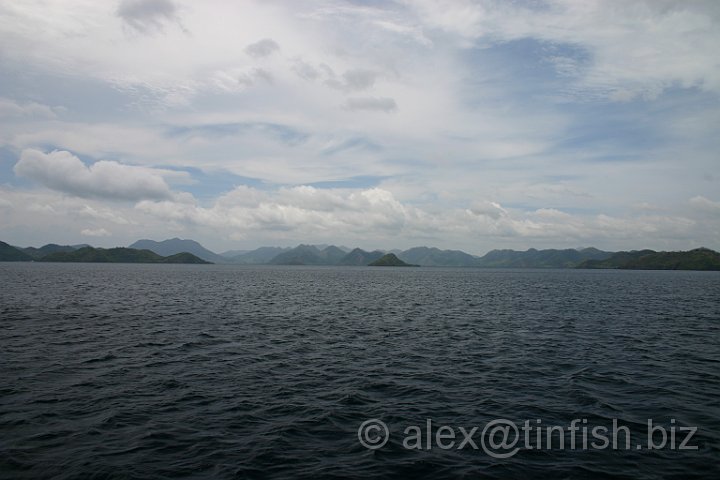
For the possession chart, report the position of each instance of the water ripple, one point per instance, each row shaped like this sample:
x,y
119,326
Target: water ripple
x,y
149,371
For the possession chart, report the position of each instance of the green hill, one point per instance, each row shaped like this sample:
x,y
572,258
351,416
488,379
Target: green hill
x,y
8,253
697,259
434,257
533,258
390,260
616,260
38,253
119,255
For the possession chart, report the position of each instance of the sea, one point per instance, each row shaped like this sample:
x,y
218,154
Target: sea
x,y
125,371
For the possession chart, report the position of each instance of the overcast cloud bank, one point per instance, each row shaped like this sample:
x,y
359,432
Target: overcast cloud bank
x,y
470,125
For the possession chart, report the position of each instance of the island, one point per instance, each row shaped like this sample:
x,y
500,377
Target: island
x,y
120,255
697,259
390,260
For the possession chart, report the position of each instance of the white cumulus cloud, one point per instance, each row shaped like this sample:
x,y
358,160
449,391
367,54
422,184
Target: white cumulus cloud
x,y
64,172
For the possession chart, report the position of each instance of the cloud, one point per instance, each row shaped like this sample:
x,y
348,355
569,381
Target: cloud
x,y
703,204
298,209
236,80
11,108
302,208
356,215
147,16
377,104
64,172
412,31
97,232
305,70
262,48
490,209
518,103
99,213
372,217
95,139
353,80
552,214
613,50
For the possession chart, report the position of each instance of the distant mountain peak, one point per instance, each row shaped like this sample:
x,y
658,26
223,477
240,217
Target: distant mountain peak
x,y
173,246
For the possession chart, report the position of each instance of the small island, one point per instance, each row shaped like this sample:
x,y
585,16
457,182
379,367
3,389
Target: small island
x,y
390,260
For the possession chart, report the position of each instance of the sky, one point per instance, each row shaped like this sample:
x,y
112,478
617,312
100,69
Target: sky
x,y
470,125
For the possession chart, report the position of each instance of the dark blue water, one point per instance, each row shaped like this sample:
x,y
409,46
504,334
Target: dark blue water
x,y
165,371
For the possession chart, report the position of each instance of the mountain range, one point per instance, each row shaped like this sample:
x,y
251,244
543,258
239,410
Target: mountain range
x,y
259,256
434,257
190,251
119,255
8,253
309,255
38,253
87,254
359,257
173,246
